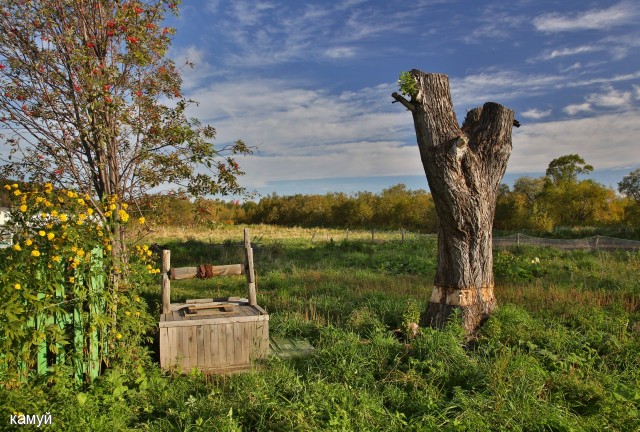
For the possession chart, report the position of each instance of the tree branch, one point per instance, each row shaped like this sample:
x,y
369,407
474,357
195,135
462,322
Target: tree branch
x,y
408,105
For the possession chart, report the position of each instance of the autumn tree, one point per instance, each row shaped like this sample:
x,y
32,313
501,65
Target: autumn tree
x,y
630,185
89,101
566,168
464,165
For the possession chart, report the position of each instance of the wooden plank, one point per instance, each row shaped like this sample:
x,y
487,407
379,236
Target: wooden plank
x,y
238,333
197,307
166,283
246,341
206,341
178,273
225,320
181,347
251,276
172,345
229,344
217,345
219,300
200,344
193,348
164,347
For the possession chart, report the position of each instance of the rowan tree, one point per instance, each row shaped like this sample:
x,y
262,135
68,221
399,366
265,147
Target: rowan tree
x,y
89,101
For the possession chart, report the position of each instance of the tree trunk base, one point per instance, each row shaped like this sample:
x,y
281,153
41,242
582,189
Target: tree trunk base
x,y
473,312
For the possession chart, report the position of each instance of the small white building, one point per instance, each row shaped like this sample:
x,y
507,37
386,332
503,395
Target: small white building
x,y
4,215
6,236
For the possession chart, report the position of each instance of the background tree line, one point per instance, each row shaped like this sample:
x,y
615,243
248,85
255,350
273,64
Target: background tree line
x,y
541,204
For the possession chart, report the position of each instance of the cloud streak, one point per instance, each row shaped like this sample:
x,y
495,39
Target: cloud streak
x,y
594,19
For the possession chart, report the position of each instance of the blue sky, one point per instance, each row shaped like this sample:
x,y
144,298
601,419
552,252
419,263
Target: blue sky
x,y
309,83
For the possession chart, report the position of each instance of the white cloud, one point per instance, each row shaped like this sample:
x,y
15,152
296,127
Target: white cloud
x,y
340,52
536,113
611,99
577,108
535,144
608,99
548,55
303,133
594,19
192,76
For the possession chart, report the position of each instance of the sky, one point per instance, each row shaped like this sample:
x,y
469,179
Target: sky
x,y
309,83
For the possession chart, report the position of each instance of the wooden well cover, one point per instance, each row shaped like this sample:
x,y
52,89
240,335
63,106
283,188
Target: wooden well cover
x,y
213,336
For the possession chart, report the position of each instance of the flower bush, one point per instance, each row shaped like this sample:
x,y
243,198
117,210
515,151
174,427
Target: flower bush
x,y
61,310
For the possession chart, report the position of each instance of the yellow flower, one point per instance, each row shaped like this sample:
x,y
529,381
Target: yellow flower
x,y
23,208
141,220
7,187
74,249
125,206
17,192
80,252
124,216
15,185
48,187
72,194
90,211
17,247
63,217
35,253
42,233
107,214
112,207
54,213
118,336
108,247
28,242
80,201
51,236
17,286
56,258
72,279
82,216
127,313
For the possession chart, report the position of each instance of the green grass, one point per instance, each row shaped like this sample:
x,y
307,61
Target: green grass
x,y
562,353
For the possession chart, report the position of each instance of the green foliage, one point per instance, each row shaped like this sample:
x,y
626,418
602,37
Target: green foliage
x,y
61,313
407,84
630,185
566,168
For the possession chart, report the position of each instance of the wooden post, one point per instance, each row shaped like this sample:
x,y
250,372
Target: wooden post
x,y
372,234
251,277
402,231
518,238
166,282
347,234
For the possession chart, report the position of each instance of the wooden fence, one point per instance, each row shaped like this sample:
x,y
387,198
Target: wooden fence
x,y
83,348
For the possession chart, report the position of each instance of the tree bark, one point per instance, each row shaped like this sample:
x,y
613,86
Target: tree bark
x,y
464,167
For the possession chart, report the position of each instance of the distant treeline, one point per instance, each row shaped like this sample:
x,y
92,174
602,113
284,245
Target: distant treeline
x,y
540,204
535,204
396,207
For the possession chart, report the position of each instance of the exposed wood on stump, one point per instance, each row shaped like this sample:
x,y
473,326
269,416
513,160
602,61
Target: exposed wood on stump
x,y
464,167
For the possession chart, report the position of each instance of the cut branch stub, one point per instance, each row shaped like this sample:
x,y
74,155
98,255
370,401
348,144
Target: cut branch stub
x,y
464,166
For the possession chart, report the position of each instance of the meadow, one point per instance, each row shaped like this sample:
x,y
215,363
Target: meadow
x,y
562,353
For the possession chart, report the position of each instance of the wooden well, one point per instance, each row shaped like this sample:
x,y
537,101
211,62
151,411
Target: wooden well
x,y
219,335
214,335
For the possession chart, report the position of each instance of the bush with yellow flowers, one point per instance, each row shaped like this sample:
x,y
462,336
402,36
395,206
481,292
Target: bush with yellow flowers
x,y
60,312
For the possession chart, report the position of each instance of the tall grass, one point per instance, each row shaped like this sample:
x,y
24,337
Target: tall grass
x,y
561,352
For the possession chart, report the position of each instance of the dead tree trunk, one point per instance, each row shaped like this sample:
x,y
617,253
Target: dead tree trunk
x,y
464,168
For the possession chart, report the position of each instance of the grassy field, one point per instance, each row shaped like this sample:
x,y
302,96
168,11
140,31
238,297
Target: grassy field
x,y
561,354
